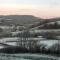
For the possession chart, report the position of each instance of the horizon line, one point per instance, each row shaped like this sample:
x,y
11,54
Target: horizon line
x,y
28,15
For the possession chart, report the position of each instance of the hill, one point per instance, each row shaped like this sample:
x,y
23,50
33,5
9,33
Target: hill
x,y
18,19
53,23
26,20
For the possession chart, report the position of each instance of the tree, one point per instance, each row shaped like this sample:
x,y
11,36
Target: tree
x,y
55,25
1,30
46,21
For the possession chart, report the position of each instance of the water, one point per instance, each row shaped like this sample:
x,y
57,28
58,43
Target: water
x,y
27,57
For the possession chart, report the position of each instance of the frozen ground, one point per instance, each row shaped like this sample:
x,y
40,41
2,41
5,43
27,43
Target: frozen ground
x,y
48,43
27,57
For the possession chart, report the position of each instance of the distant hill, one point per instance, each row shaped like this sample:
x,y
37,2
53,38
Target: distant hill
x,y
50,25
26,20
18,19
53,23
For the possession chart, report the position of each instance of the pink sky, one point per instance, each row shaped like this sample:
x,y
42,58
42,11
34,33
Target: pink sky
x,y
39,8
42,12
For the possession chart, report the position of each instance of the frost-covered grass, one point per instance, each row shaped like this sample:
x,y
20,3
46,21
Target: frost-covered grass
x,y
27,57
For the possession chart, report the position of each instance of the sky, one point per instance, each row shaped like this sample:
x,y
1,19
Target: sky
x,y
38,8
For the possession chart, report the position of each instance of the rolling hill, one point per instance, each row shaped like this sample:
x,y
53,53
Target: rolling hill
x,y
26,20
19,19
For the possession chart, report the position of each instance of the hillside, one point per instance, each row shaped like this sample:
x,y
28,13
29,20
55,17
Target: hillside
x,y
53,23
18,19
27,20
50,25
